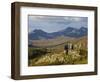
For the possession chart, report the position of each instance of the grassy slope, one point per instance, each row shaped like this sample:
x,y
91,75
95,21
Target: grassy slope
x,y
57,55
51,42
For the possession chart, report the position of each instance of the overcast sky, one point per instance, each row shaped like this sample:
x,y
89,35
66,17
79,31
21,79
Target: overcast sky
x,y
55,23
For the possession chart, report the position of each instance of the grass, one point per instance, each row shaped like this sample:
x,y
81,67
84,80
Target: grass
x,y
53,53
56,57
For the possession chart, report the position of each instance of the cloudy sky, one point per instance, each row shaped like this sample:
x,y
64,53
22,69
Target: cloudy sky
x,y
55,23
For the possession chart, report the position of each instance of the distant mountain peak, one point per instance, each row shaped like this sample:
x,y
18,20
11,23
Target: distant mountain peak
x,y
68,32
71,28
83,27
38,30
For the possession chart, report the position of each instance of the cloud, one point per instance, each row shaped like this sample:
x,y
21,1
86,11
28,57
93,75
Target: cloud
x,y
75,19
55,23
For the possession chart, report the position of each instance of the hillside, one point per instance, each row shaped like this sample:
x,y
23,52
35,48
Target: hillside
x,y
51,42
59,41
51,52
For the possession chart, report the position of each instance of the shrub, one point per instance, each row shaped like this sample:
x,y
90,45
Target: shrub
x,y
35,52
83,54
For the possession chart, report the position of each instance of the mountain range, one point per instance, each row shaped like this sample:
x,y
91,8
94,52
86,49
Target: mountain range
x,y
72,32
